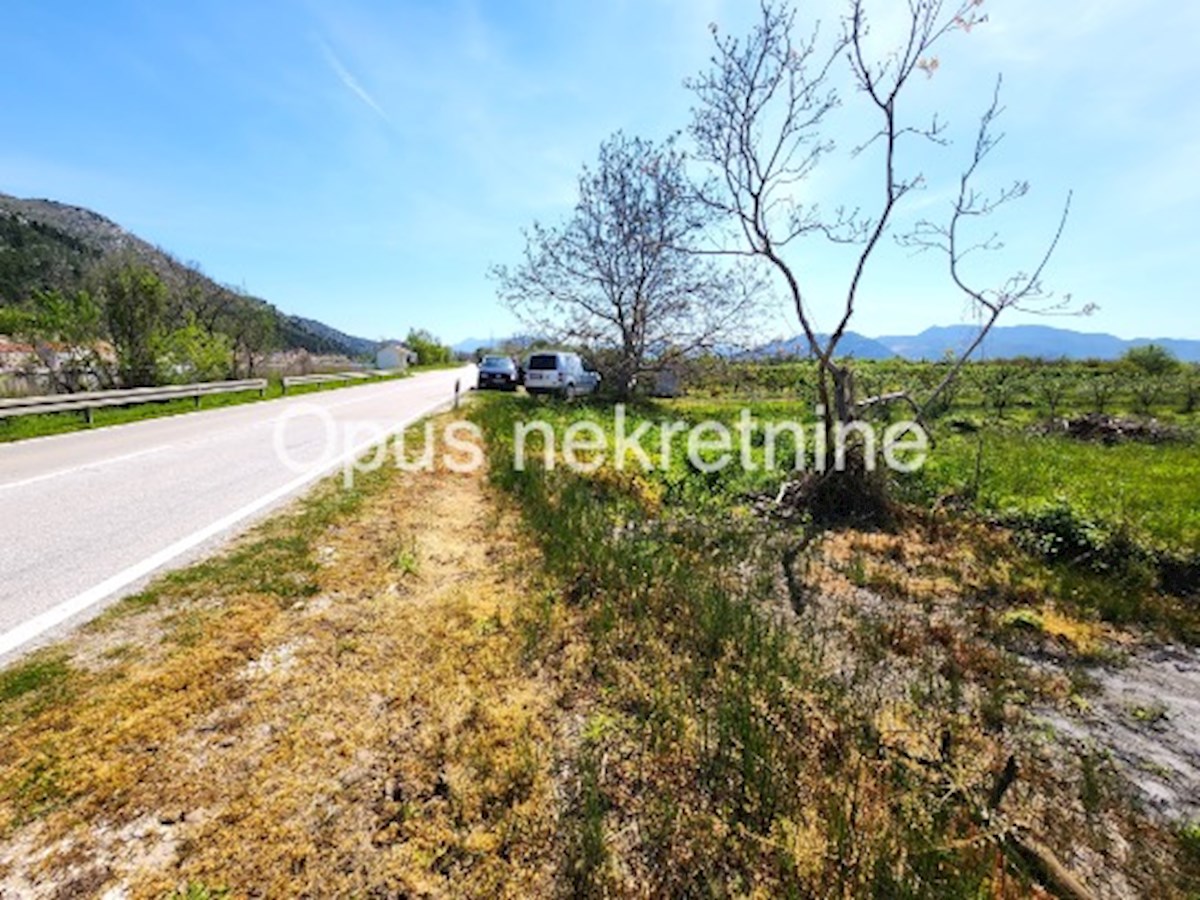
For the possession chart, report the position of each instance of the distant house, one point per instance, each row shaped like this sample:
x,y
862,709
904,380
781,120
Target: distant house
x,y
394,356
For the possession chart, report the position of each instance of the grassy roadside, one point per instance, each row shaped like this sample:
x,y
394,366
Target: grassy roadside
x,y
340,705
773,716
585,684
20,428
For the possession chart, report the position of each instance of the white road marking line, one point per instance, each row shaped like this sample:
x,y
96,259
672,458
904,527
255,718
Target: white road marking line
x,y
56,615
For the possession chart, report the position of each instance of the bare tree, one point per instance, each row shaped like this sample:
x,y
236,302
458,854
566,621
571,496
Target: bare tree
x,y
762,121
619,272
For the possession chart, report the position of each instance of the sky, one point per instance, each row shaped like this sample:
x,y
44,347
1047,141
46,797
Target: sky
x,y
364,163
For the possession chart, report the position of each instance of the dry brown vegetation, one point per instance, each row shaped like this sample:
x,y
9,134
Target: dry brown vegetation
x,y
887,714
421,688
371,731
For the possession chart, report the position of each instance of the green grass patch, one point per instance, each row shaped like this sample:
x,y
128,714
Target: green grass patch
x,y
43,675
1118,524
1153,490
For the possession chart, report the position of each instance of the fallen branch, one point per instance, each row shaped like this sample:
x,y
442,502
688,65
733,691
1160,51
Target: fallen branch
x,y
1046,868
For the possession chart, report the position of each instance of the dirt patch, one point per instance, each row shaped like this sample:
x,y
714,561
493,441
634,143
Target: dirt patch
x,y
1146,716
1102,727
381,736
1107,429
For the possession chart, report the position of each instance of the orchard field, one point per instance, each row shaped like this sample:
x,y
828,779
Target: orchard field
x,y
1105,451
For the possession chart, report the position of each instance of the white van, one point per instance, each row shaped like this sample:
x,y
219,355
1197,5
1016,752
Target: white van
x,y
560,373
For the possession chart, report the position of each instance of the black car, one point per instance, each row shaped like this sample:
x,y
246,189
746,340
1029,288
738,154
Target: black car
x,y
498,372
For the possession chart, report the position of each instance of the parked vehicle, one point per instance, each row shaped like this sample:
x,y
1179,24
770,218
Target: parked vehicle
x,y
498,372
560,373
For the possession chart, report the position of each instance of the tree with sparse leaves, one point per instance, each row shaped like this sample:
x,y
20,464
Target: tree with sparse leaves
x,y
762,122
621,272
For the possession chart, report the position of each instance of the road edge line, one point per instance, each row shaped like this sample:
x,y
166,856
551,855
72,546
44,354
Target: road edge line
x,y
31,629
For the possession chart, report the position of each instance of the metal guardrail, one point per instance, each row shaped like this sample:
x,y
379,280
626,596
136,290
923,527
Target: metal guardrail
x,y
89,401
327,377
290,381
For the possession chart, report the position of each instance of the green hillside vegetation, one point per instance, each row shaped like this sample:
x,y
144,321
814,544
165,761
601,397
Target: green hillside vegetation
x,y
125,326
70,276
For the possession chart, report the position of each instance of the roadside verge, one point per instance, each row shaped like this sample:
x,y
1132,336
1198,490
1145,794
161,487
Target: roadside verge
x,y
339,704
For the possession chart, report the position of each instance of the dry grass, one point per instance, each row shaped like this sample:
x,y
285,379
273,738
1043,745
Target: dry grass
x,y
385,696
777,714
381,734
959,605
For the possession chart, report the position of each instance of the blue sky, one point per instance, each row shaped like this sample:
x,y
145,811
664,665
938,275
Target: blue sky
x,y
364,163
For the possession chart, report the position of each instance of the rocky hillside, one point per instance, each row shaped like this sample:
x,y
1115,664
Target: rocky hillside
x,y
45,245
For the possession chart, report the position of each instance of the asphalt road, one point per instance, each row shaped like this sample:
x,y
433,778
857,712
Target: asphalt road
x,y
89,517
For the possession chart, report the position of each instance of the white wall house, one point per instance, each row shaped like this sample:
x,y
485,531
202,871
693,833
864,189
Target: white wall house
x,y
394,356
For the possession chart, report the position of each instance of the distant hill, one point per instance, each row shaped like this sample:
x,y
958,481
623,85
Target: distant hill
x,y
470,345
45,245
1034,341
317,337
1004,342
851,344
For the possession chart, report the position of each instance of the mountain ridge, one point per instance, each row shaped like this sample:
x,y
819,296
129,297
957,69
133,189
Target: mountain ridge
x,y
56,246
1034,341
1003,342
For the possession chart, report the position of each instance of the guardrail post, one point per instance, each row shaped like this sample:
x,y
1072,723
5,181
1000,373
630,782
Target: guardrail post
x,y
87,415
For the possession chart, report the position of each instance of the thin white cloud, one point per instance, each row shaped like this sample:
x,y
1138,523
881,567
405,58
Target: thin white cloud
x,y
351,82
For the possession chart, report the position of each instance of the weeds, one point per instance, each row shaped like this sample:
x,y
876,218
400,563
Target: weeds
x,y
407,562
739,745
586,853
